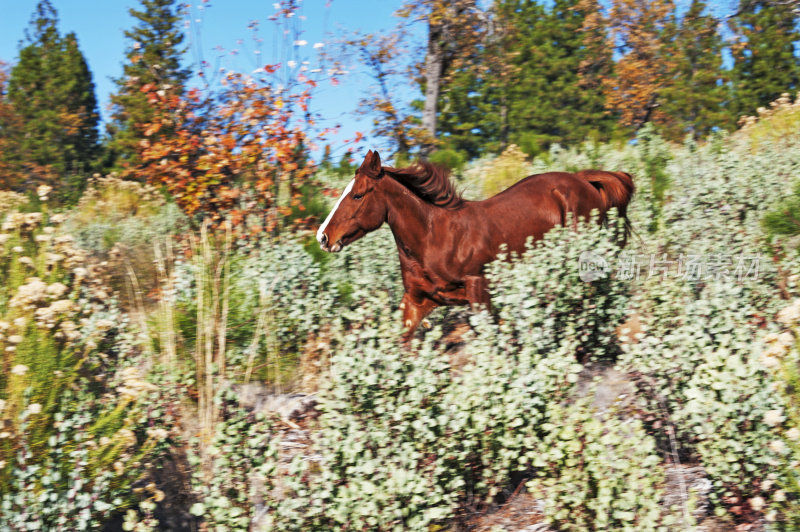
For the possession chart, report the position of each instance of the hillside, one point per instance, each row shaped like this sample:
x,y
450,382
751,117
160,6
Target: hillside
x,y
159,378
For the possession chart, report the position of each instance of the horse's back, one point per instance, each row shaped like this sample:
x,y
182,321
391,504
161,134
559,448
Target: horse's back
x,y
540,186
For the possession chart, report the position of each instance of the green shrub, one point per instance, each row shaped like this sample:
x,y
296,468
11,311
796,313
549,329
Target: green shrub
x,y
545,287
403,440
784,218
599,472
655,155
505,170
235,469
454,160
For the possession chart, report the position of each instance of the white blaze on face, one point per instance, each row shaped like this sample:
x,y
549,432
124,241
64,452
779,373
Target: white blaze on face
x,y
324,225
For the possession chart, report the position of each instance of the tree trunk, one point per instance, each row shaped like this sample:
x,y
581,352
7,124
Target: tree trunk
x,y
434,62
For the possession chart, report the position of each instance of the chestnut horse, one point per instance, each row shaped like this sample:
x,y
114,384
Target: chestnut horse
x,y
444,241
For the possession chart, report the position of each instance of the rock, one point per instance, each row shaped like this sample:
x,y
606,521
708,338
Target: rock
x,y
257,397
538,527
288,406
610,386
697,485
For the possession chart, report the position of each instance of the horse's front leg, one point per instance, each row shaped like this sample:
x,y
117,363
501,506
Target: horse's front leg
x,y
477,289
414,311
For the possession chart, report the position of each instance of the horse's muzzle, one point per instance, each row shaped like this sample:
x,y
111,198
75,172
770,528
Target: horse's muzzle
x,y
322,238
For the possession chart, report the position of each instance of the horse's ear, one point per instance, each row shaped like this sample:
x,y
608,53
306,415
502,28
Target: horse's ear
x,y
371,167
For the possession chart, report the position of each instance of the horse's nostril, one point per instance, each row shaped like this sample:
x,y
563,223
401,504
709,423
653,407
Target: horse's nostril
x,y
323,240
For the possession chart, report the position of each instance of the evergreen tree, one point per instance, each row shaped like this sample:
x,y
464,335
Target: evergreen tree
x,y
455,32
549,103
696,98
51,90
80,103
472,111
472,107
12,173
596,64
765,64
154,58
534,84
531,120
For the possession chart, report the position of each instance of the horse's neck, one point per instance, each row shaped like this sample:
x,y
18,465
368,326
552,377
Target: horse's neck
x,y
409,217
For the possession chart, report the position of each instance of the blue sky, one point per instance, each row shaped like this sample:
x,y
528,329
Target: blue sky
x,y
224,33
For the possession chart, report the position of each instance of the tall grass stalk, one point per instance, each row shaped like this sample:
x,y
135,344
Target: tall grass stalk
x,y
210,353
166,305
266,317
212,280
136,296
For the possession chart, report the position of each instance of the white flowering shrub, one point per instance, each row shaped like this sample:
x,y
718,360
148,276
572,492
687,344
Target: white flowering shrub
x,y
782,358
10,200
120,222
700,371
697,360
77,420
379,464
545,287
232,472
403,441
694,359
115,212
598,472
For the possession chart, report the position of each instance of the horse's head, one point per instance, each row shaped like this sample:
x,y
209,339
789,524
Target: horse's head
x,y
361,208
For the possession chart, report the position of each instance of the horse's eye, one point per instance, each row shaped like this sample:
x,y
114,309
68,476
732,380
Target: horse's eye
x,y
358,196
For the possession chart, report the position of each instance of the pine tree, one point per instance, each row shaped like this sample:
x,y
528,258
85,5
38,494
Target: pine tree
x,y
536,83
473,104
455,32
518,72
695,100
154,59
596,64
531,121
12,172
473,112
765,64
80,103
51,90
549,103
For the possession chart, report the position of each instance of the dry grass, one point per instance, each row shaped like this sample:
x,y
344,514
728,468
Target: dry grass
x,y
511,166
778,123
116,199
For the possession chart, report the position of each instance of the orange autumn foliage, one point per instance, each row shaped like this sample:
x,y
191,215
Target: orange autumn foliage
x,y
642,31
237,154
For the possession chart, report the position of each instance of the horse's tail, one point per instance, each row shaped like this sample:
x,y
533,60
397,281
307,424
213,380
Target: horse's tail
x,y
616,189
